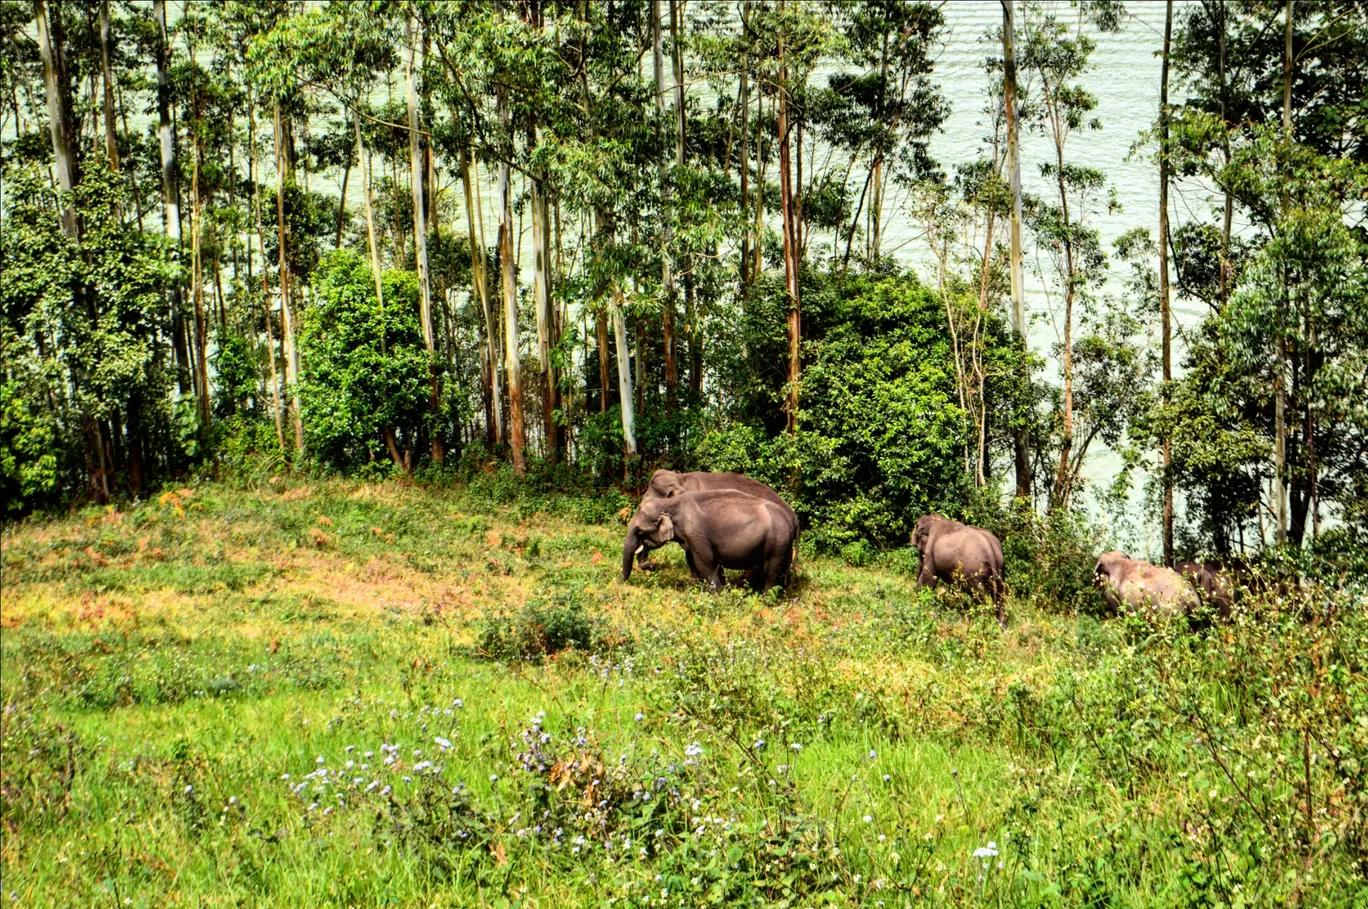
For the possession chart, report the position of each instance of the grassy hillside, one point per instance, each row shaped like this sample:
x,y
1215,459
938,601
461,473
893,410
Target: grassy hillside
x,y
355,695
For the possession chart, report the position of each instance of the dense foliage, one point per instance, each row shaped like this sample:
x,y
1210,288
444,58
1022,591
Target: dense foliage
x,y
588,240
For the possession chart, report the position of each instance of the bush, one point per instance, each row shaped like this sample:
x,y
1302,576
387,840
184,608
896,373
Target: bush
x,y
881,433
543,628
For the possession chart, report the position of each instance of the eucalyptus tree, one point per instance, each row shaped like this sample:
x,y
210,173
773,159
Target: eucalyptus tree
x,y
889,104
1056,55
1020,454
791,38
1273,119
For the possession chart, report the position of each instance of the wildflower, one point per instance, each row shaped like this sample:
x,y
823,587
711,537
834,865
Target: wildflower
x,y
458,704
797,746
694,749
320,760
640,717
350,749
444,743
867,819
421,766
232,800
284,776
188,788
493,777
372,785
759,743
313,805
386,790
886,778
873,754
989,851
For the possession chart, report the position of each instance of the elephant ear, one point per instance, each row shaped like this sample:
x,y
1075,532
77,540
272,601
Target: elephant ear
x,y
665,528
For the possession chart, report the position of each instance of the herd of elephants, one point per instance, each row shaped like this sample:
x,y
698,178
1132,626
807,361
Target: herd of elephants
x,y
726,520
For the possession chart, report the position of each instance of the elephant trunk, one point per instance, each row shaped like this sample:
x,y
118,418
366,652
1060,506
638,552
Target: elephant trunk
x,y
629,551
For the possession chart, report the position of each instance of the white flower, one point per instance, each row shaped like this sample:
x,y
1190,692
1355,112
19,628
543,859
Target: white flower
x,y
797,746
867,819
694,749
493,777
444,743
640,717
320,760
873,754
989,851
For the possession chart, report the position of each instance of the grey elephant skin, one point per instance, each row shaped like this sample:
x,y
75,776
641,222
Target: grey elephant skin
x,y
1138,587
1216,582
717,529
666,484
969,557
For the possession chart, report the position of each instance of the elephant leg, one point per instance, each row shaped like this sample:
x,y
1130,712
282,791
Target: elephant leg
x,y
927,578
777,570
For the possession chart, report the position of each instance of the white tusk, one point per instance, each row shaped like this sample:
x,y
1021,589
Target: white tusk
x,y
639,548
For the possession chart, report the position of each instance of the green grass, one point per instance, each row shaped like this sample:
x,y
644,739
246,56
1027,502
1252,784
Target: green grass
x,y
851,743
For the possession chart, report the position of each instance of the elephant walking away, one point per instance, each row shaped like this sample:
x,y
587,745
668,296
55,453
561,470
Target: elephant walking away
x,y
969,557
1140,588
717,529
669,483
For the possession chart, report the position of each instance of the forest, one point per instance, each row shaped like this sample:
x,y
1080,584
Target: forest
x,y
341,339
586,239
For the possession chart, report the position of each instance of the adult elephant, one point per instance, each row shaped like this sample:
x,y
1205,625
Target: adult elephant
x,y
717,529
969,557
1216,582
666,484
1142,588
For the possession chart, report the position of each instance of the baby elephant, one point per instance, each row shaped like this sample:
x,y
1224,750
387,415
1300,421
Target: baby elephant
x,y
717,529
1140,588
970,557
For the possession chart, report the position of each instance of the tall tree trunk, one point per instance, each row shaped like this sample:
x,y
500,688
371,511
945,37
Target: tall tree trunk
x,y
197,256
170,190
1064,477
480,280
601,339
667,282
790,243
1020,453
342,202
624,371
286,318
107,74
544,304
413,64
254,179
363,162
197,291
1224,292
59,113
512,366
690,314
1279,379
1165,327
132,171
745,158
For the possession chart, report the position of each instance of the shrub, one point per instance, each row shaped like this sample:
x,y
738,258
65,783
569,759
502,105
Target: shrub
x,y
543,628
